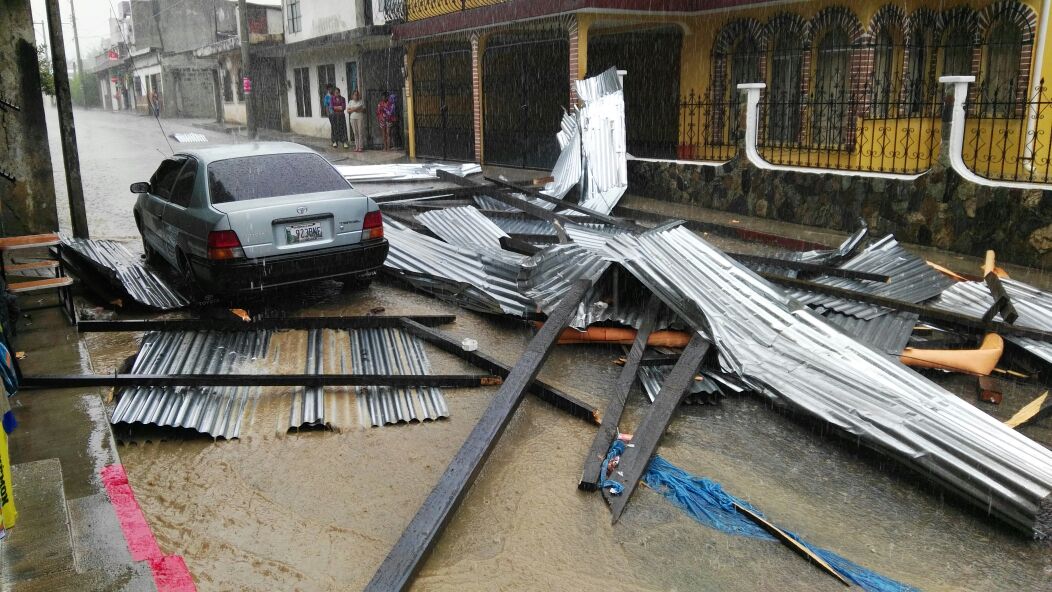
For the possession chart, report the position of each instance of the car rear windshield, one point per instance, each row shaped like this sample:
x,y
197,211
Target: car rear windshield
x,y
271,175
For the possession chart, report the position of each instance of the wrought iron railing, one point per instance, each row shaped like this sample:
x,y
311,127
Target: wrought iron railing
x,y
415,10
1007,134
708,126
863,128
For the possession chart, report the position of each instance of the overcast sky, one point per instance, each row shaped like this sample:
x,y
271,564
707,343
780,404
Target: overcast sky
x,y
93,25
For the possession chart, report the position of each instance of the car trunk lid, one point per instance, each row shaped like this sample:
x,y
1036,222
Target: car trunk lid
x,y
295,223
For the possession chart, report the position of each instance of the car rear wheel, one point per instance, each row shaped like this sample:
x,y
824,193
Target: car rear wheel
x,y
356,284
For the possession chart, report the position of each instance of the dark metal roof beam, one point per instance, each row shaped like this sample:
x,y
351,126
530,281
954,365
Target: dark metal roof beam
x,y
420,535
296,323
56,381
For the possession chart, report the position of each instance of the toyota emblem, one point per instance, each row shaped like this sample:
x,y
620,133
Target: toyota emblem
x,y
301,210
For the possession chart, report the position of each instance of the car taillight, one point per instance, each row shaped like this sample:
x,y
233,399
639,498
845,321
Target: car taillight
x,y
373,226
224,244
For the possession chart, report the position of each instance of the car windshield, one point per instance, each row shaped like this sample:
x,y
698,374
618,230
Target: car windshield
x,y
271,175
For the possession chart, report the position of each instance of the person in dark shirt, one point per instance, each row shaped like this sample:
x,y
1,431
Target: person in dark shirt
x,y
338,107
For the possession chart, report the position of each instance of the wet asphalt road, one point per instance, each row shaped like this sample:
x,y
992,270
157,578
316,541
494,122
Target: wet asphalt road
x,y
116,150
318,510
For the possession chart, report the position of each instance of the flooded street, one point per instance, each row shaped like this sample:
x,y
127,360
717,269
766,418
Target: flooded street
x,y
318,510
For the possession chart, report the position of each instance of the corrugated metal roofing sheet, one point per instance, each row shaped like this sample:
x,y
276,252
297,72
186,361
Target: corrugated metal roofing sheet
x,y
127,273
888,333
912,280
464,226
791,355
1033,305
479,279
223,412
423,171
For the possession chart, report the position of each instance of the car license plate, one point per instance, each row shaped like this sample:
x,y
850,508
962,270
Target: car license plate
x,y
302,233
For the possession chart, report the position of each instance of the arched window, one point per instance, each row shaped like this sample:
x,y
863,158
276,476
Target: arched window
x,y
829,101
783,112
744,68
1000,88
957,49
920,70
883,82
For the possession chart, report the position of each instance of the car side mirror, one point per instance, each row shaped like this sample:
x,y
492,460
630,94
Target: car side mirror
x,y
140,187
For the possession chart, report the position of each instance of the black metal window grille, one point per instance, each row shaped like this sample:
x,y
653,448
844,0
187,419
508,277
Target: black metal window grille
x,y
785,88
303,93
1001,86
295,18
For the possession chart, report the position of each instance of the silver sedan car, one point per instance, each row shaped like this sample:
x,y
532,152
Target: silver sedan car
x,y
253,216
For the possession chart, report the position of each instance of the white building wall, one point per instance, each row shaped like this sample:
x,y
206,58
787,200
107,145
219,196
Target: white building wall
x,y
322,17
318,123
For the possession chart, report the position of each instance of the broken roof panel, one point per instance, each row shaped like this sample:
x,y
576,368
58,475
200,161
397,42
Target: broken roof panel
x,y
464,226
912,280
224,412
791,355
127,272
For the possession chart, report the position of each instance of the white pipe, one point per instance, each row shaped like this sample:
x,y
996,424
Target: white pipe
x,y
956,149
1035,82
752,101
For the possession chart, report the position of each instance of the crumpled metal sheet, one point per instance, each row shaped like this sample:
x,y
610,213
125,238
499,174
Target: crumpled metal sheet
x,y
464,226
604,147
835,256
912,280
567,170
424,171
478,279
124,270
1033,305
222,412
789,354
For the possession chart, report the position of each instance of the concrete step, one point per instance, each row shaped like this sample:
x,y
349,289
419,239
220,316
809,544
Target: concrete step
x,y
40,544
99,547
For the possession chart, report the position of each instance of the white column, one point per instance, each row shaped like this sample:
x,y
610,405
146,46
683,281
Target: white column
x,y
752,125
956,148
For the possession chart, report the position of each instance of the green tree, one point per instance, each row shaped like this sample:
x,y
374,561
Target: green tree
x,y
47,76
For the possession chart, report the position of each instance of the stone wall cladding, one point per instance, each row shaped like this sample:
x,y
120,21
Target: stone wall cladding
x,y
937,209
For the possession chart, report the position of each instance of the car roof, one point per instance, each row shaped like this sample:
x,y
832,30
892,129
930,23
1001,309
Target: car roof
x,y
214,153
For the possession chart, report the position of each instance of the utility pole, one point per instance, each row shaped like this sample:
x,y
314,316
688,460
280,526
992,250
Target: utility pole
x,y
80,62
67,131
246,69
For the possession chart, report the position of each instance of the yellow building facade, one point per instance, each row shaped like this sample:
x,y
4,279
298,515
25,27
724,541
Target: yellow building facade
x,y
849,86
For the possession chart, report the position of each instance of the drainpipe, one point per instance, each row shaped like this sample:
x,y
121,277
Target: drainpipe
x,y
1035,83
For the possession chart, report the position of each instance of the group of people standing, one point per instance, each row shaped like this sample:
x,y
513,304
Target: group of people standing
x,y
339,110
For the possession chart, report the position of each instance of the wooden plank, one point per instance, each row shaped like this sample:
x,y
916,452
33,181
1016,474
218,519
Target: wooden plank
x,y
515,202
646,436
604,437
737,232
509,243
810,267
218,380
594,215
1003,302
1032,411
265,324
792,543
926,313
32,265
423,530
43,284
542,390
28,241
